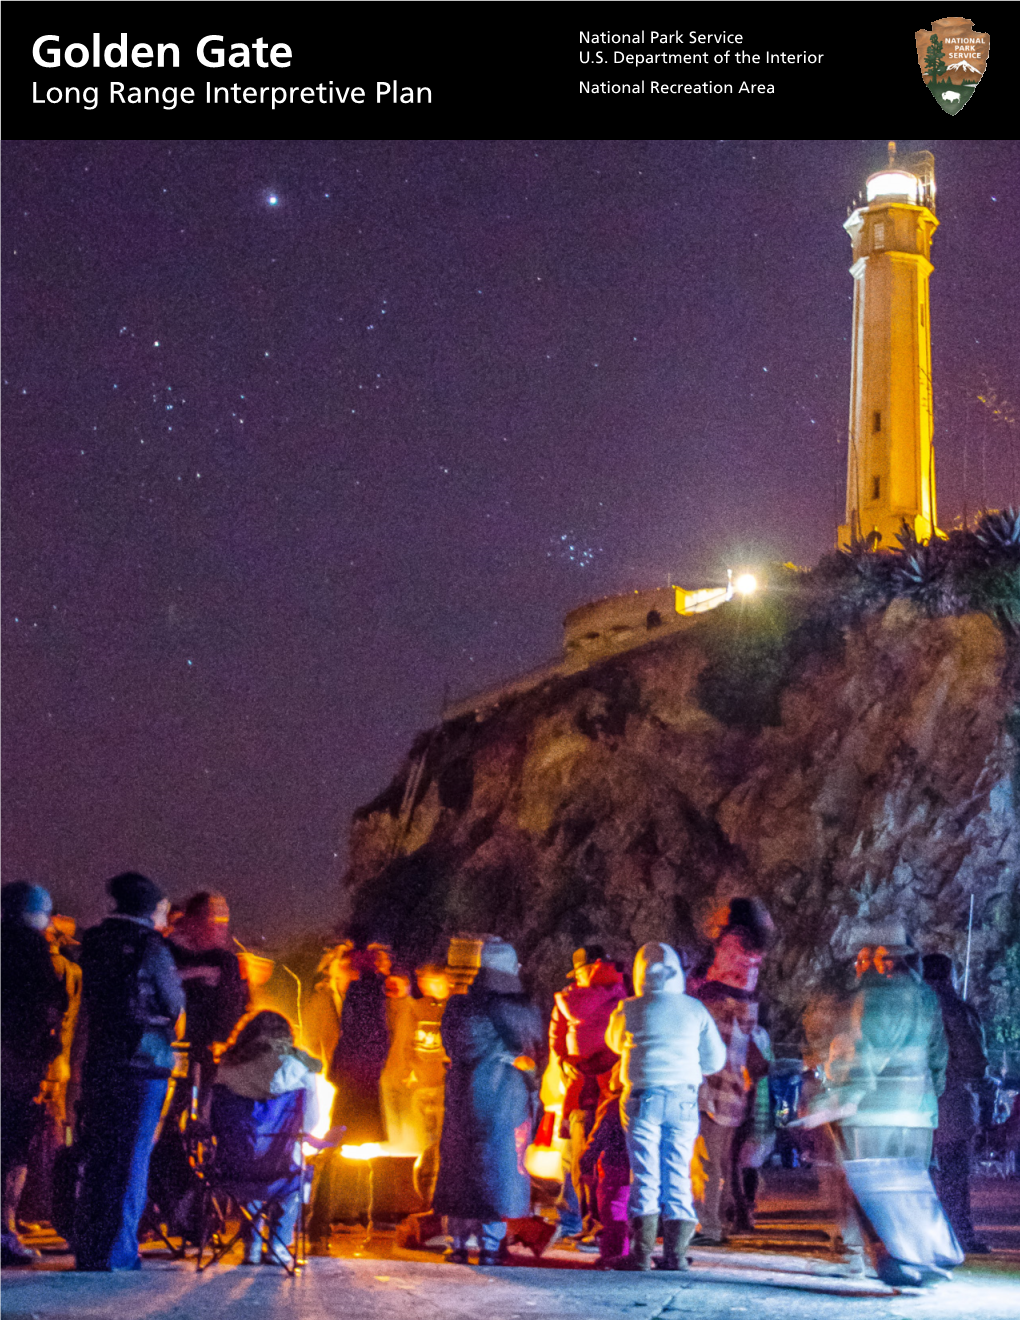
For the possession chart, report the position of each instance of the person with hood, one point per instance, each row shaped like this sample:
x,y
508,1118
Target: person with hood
x,y
260,1064
131,999
492,1036
959,1103
33,1006
577,1038
668,1043
730,993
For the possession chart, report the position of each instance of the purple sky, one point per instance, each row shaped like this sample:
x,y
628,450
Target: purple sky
x,y
275,474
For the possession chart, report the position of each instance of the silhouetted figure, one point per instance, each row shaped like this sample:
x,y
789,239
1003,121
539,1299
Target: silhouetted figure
x,y
360,1055
959,1103
132,998
33,1006
215,991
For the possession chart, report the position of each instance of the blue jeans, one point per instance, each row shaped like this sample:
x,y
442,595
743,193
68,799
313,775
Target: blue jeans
x,y
489,1235
661,1127
121,1115
567,1205
279,1230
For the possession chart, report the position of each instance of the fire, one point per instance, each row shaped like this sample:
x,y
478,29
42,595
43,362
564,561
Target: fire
x,y
369,1151
324,1093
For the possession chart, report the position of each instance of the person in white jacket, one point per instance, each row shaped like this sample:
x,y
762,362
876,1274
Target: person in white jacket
x,y
668,1042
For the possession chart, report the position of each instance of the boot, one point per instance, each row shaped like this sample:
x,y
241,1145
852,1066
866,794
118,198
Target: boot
x,y
676,1238
642,1242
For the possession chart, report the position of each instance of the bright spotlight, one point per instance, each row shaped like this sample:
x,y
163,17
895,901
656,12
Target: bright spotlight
x,y
746,584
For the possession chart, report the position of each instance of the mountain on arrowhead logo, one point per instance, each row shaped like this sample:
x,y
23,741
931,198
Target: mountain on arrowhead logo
x,y
953,58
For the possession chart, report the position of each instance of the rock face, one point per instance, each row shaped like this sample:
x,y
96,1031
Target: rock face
x,y
864,770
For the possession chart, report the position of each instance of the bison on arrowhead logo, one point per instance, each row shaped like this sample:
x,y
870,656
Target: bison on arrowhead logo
x,y
952,57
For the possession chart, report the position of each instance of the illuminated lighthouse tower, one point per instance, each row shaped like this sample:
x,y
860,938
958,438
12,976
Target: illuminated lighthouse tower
x,y
891,461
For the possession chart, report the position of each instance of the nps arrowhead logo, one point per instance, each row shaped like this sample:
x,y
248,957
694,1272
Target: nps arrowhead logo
x,y
952,57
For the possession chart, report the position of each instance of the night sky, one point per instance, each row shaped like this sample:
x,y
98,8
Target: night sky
x,y
299,435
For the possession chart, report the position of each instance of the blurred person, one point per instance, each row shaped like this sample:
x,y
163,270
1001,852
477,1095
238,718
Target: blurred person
x,y
216,997
730,993
132,997
325,1004
321,1021
355,1070
215,990
362,1048
577,1038
33,1006
667,1042
884,1076
426,1062
394,1089
959,1104
398,984
59,1090
492,1036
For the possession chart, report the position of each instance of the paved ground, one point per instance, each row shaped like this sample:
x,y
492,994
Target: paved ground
x,y
369,1288
382,1282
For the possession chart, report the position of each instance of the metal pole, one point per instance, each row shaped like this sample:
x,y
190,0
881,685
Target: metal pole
x,y
970,928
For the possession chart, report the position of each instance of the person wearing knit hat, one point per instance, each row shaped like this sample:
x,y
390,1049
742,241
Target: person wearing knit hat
x,y
132,997
134,895
492,1036
32,1007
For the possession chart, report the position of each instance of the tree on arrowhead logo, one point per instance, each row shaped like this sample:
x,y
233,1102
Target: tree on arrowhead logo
x,y
953,58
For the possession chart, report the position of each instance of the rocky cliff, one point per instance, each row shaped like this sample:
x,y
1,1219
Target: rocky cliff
x,y
837,764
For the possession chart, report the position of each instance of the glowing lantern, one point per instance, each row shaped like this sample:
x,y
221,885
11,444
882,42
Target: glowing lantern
x,y
893,183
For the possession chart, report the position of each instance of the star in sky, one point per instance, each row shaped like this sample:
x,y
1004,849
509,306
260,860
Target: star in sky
x,y
349,520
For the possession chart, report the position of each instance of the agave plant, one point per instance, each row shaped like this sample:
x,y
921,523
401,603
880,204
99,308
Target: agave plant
x,y
998,532
908,540
920,575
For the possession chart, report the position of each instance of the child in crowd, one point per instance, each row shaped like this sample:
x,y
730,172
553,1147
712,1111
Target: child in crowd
x,y
605,1160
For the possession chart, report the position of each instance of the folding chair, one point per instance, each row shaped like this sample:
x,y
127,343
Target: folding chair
x,y
256,1169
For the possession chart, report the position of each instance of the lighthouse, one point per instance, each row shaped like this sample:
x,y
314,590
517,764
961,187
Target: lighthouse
x,y
891,458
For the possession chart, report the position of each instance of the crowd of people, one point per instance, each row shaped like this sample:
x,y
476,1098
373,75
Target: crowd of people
x,y
654,1087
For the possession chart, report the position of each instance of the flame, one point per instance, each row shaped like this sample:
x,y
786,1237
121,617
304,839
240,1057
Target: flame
x,y
324,1093
369,1151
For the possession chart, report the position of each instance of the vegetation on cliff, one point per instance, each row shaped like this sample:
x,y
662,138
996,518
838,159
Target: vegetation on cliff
x,y
842,745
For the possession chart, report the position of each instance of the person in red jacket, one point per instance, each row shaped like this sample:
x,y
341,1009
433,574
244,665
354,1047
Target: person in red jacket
x,y
577,1034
